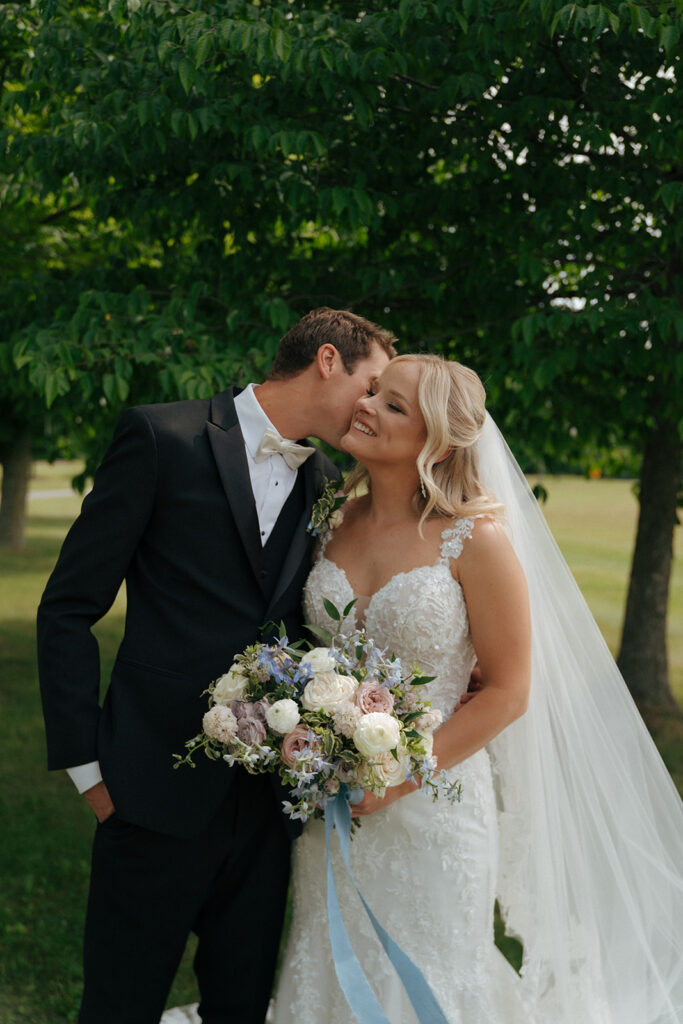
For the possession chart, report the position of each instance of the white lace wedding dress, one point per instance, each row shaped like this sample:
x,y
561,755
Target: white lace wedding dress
x,y
428,870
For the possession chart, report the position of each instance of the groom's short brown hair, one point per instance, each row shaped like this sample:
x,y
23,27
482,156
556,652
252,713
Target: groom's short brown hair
x,y
353,336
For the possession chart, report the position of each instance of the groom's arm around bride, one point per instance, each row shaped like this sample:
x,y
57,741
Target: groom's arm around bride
x,y
209,533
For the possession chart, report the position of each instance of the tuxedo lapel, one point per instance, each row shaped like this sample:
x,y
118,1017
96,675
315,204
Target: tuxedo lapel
x,y
301,540
227,445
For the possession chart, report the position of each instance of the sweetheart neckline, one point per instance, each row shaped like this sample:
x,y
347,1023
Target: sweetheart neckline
x,y
406,572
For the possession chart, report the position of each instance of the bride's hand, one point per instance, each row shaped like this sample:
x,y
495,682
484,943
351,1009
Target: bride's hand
x,y
371,803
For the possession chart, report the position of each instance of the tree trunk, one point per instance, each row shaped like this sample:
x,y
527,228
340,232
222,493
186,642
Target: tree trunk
x,y
643,656
16,463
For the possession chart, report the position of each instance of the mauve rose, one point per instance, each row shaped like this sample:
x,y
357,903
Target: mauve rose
x,y
239,708
293,743
259,709
246,709
251,731
370,697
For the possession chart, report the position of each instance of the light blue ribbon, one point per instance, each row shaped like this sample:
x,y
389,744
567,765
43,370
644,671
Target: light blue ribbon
x,y
354,984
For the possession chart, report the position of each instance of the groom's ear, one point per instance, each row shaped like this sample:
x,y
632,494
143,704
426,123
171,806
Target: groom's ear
x,y
325,360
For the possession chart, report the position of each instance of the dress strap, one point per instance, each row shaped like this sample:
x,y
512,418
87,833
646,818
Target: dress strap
x,y
453,538
323,541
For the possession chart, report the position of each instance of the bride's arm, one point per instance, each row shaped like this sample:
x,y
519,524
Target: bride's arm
x,y
498,608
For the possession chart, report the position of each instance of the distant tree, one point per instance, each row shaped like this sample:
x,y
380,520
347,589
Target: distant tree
x,y
496,181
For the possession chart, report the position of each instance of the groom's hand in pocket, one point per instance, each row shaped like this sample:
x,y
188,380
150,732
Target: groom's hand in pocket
x,y
99,801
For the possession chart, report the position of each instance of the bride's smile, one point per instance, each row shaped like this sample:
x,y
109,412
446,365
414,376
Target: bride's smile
x,y
387,424
357,425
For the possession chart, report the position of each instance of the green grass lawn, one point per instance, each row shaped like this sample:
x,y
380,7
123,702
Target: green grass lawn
x,y
47,828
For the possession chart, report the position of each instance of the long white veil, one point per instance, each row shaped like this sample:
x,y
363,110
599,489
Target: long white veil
x,y
591,825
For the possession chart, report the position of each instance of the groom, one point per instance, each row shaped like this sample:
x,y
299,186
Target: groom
x,y
201,507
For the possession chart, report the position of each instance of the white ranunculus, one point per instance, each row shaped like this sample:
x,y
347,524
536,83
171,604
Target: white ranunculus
x,y
231,686
319,660
282,716
390,771
376,733
326,691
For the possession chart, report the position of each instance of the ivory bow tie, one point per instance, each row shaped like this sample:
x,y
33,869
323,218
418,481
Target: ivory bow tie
x,y
272,444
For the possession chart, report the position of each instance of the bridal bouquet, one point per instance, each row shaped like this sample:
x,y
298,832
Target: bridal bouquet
x,y
340,715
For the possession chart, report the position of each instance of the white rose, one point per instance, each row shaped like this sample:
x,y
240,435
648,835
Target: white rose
x,y
282,716
390,771
319,660
231,686
326,691
376,733
428,722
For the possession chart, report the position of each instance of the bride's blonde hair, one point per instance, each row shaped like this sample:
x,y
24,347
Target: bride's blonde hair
x,y
452,401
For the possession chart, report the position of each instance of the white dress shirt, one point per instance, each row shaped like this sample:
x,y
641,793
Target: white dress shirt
x,y
271,482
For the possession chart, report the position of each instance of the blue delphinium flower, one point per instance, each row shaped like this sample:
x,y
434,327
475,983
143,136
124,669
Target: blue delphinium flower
x,y
277,662
302,675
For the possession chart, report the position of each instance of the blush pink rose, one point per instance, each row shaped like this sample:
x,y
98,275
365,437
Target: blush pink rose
x,y
370,697
293,743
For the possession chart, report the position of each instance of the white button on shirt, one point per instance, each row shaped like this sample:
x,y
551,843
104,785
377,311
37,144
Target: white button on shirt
x,y
271,479
271,482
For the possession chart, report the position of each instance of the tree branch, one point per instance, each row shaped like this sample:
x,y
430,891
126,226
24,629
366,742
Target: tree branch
x,y
414,81
61,213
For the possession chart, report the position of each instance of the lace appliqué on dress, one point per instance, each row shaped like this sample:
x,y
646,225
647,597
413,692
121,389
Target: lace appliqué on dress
x,y
453,539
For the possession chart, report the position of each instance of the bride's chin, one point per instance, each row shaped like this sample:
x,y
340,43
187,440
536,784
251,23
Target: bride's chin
x,y
346,443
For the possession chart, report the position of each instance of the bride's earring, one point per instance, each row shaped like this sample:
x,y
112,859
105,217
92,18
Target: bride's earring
x,y
422,488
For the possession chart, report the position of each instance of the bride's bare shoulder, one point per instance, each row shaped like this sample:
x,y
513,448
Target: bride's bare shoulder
x,y
472,541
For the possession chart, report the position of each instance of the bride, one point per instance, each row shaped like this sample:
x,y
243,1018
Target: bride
x,y
567,815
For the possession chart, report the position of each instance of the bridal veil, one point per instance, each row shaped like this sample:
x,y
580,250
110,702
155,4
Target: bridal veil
x,y
591,825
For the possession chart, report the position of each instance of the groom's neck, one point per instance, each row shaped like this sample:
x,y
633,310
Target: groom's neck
x,y
290,405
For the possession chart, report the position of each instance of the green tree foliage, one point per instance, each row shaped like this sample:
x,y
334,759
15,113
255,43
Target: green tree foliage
x,y
498,181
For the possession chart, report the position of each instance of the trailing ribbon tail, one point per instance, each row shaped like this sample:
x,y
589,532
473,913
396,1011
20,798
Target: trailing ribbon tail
x,y
354,984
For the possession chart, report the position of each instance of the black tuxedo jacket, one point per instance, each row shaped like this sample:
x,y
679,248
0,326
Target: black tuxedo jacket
x,y
171,512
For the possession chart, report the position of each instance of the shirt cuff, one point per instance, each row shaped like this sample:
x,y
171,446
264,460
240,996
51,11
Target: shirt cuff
x,y
85,776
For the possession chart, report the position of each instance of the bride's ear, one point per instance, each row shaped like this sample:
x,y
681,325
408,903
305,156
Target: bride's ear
x,y
445,455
